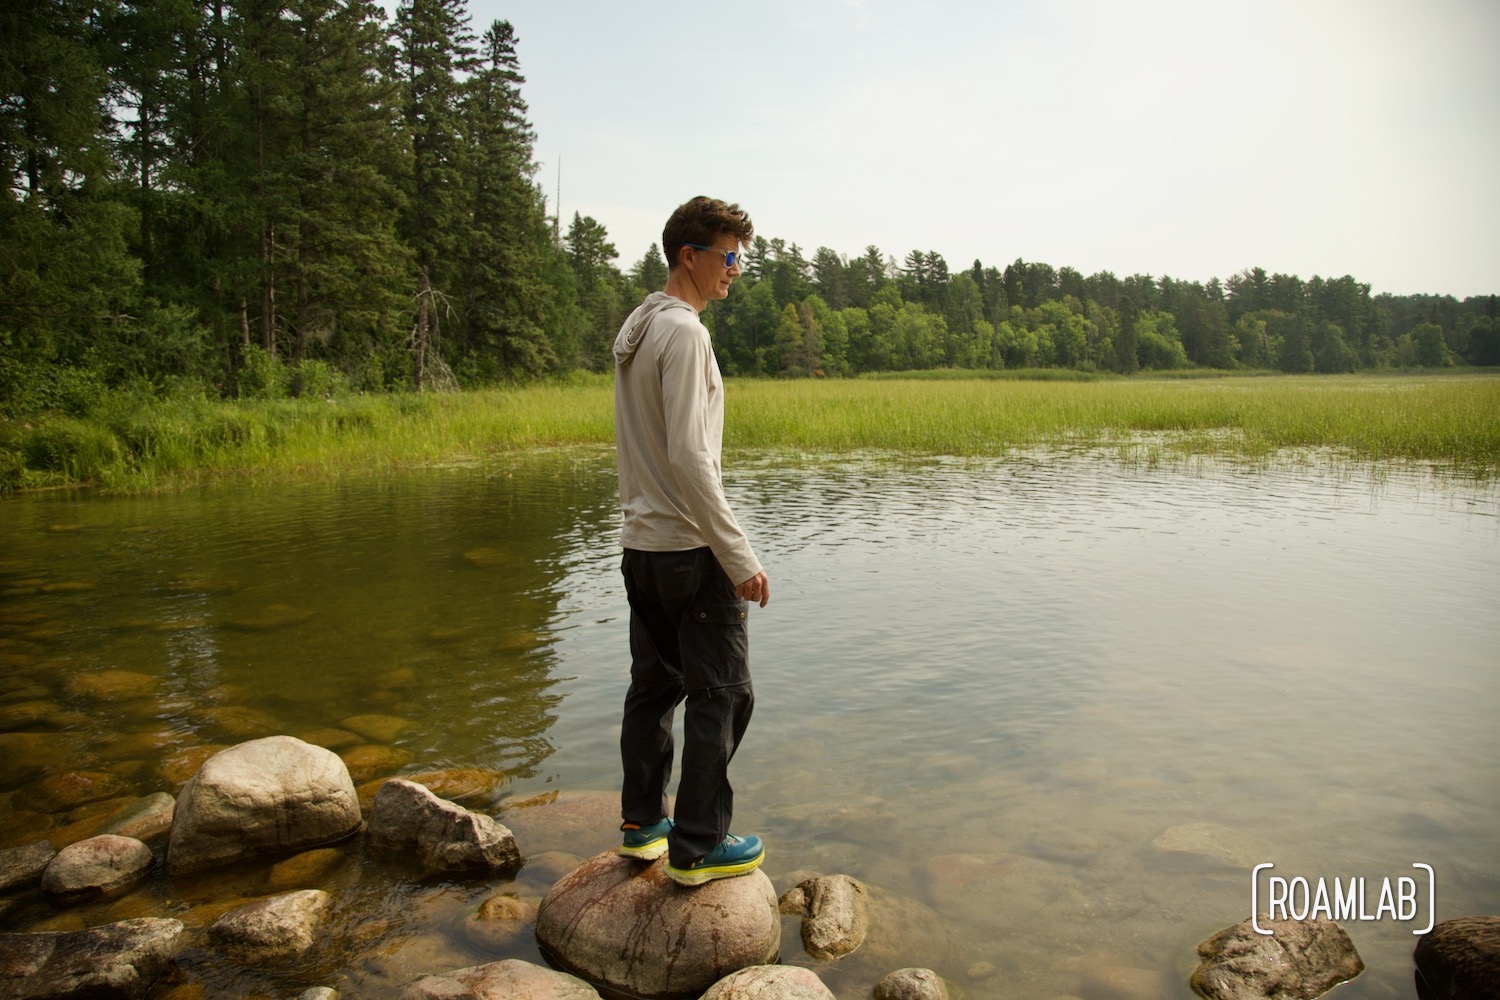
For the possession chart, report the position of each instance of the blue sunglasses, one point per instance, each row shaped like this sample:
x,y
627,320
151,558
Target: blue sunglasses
x,y
730,256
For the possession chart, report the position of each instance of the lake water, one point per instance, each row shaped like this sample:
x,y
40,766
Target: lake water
x,y
1010,691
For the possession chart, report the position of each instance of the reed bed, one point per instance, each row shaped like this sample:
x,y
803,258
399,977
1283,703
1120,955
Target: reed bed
x,y
133,445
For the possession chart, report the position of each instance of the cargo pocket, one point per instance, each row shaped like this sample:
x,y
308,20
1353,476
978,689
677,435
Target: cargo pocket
x,y
721,645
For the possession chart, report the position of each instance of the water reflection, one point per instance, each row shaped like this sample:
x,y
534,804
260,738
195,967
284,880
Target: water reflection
x,y
990,688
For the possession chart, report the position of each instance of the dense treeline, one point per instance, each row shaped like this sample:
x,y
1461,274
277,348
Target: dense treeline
x,y
262,197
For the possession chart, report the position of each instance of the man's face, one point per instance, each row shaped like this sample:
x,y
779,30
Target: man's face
x,y
710,276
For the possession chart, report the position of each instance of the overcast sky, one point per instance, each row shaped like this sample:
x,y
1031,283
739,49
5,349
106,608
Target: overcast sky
x,y
1194,138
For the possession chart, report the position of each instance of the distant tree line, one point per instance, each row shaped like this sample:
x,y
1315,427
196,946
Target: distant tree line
x,y
259,197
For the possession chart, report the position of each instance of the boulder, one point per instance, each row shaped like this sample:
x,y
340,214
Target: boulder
x,y
834,921
511,979
444,836
23,866
119,960
1460,958
677,941
145,818
1298,960
267,795
769,982
273,929
97,868
912,984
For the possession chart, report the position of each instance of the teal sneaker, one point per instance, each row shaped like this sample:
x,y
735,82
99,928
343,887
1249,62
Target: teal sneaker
x,y
645,842
734,856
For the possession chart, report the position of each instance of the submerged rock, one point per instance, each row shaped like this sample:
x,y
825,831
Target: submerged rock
x,y
121,960
500,921
269,618
368,761
445,836
111,685
678,941
69,790
145,818
1298,960
1208,845
23,866
96,868
511,979
377,728
272,794
834,921
1459,959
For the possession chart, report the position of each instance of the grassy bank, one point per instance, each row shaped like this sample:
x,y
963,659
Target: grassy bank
x,y
132,444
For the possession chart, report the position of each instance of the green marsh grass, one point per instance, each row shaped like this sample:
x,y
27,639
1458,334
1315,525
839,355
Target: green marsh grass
x,y
128,444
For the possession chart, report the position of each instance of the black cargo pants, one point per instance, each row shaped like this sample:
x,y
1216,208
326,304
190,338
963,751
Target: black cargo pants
x,y
688,640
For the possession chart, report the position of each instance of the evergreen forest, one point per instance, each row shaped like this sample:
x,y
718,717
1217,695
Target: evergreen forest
x,y
259,198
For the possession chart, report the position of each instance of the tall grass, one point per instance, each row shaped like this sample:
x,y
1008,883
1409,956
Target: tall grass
x,y
131,443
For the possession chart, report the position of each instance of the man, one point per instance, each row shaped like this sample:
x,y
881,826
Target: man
x,y
688,566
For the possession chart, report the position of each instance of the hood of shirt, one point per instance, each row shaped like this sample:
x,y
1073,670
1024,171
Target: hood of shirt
x,y
634,330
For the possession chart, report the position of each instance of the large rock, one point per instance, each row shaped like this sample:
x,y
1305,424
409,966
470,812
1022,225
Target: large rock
x,y
272,930
271,794
444,836
673,943
120,960
912,984
1298,960
100,867
1459,959
511,979
770,982
834,921
23,866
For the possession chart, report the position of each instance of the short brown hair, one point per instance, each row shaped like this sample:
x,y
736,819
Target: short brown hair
x,y
703,220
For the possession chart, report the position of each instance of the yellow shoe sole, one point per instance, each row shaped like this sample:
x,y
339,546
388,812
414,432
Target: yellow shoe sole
x,y
646,852
698,876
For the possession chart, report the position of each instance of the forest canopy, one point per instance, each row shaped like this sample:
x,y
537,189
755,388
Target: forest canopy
x,y
265,197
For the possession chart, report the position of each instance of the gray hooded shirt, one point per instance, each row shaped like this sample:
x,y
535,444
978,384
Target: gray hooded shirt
x,y
669,432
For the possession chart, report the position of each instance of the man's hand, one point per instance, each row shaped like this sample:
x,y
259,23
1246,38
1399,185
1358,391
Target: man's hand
x,y
757,588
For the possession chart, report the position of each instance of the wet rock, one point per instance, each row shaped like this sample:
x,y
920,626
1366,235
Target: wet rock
x,y
575,822
677,942
27,756
368,761
145,818
97,868
69,790
376,728
443,835
111,685
269,618
119,960
511,979
23,866
272,794
272,930
319,993
1208,845
912,984
1299,960
1459,959
769,982
500,921
834,921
